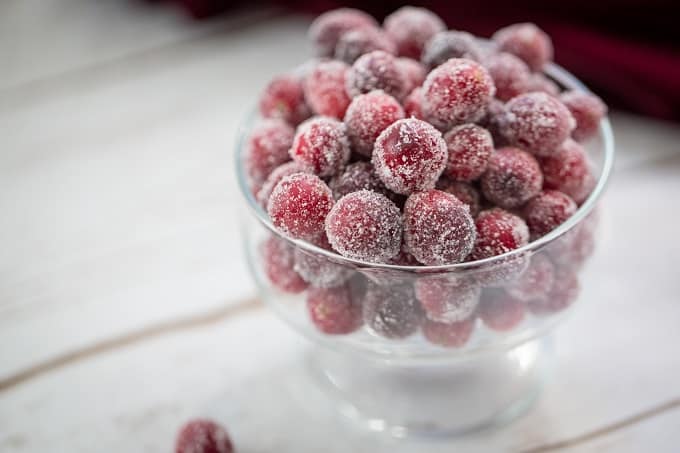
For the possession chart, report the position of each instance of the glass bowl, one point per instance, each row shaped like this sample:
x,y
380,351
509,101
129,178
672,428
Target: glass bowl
x,y
480,355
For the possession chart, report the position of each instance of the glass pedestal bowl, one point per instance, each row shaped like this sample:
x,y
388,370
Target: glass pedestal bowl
x,y
382,362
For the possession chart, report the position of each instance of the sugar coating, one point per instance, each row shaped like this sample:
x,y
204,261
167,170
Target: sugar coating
x,y
411,28
413,104
277,262
299,204
357,176
409,155
280,172
317,270
327,28
587,109
267,148
498,232
499,311
203,436
449,335
458,91
450,44
510,75
376,70
564,292
392,311
366,226
359,41
367,116
539,82
526,41
536,281
322,145
470,148
414,73
568,171
438,228
547,211
324,88
334,311
447,298
537,122
512,178
284,98
464,191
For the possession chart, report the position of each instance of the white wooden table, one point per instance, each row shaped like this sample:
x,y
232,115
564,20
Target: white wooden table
x,y
125,307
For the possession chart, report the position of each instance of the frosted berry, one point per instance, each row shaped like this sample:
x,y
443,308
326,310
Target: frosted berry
x,y
318,270
278,260
499,311
526,41
547,211
280,172
327,29
366,226
438,228
284,98
564,292
470,148
537,122
299,204
510,75
321,144
587,109
409,155
539,82
447,298
498,232
359,41
465,192
203,436
414,73
324,88
536,281
512,178
357,176
376,70
493,121
458,91
502,271
450,44
411,28
334,311
392,311
568,171
267,148
413,104
367,116
449,335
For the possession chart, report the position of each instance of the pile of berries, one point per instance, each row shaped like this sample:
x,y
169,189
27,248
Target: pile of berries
x,y
411,144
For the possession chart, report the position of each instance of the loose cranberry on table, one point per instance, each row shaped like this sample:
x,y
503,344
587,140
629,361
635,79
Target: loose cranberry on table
x,y
284,98
278,261
280,172
376,70
367,116
526,41
587,109
470,148
512,178
536,281
500,311
411,28
357,42
498,232
511,76
392,311
447,298
357,176
465,192
414,73
438,228
564,292
449,335
413,104
334,311
327,29
203,436
547,211
267,148
322,145
568,171
324,88
450,44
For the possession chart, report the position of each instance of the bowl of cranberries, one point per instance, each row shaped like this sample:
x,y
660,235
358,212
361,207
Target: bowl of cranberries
x,y
422,205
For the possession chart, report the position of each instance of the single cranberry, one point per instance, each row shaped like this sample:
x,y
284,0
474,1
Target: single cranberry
x,y
564,292
367,116
392,311
327,28
546,211
413,104
536,281
357,176
465,192
448,298
360,41
278,260
414,73
334,311
470,148
324,88
411,28
539,82
267,148
284,98
280,172
587,109
376,70
512,178
450,44
526,41
568,171
321,144
510,74
498,232
499,311
449,335
203,436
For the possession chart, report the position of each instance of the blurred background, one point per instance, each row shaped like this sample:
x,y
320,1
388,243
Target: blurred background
x,y
125,305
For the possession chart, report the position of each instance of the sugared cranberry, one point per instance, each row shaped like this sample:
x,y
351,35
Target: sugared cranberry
x,y
568,171
539,82
510,74
267,148
447,298
334,311
512,178
357,42
411,28
449,335
450,44
318,270
526,41
357,176
494,120
365,225
414,73
278,260
438,228
392,311
409,155
413,104
587,109
537,122
324,88
465,192
458,91
203,436
536,281
564,292
502,271
498,232
376,70
499,311
367,116
327,29
284,99
321,144
299,204
280,172
546,211
470,148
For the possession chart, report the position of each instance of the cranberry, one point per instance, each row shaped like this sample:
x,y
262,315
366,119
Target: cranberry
x,y
376,70
414,73
413,104
470,148
203,436
512,178
450,44
587,109
318,270
502,271
409,155
366,226
392,311
564,292
357,176
367,116
357,42
411,28
568,171
499,311
327,29
324,88
449,335
465,192
280,172
321,144
510,75
278,260
526,41
494,120
537,122
458,91
498,232
546,211
334,311
536,281
438,228
404,258
299,204
447,299
284,98
267,148
539,82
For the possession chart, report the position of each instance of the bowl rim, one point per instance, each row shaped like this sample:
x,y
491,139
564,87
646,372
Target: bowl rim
x,y
555,72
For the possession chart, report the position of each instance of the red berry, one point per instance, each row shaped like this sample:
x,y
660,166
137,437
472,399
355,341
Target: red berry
x,y
537,122
411,28
450,44
499,311
502,271
510,75
321,144
587,109
367,116
280,172
318,270
284,98
512,178
278,260
334,311
498,232
526,41
299,204
568,171
366,226
392,311
327,29
359,41
376,70
546,211
470,148
267,148
447,299
413,104
458,91
535,282
414,73
357,176
449,335
324,89
494,120
203,436
539,82
564,292
409,155
438,228
465,192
